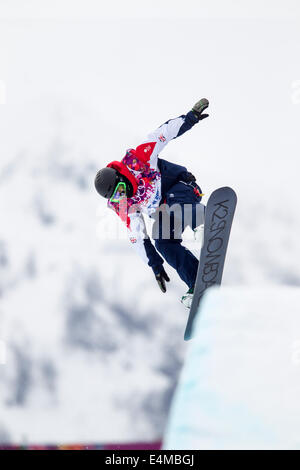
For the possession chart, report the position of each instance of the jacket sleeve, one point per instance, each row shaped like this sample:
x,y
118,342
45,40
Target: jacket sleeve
x,y
142,243
149,150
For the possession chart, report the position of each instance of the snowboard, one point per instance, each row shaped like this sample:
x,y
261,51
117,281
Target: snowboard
x,y
218,219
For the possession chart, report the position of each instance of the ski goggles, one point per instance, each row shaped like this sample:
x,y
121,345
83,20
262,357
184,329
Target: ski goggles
x,y
119,193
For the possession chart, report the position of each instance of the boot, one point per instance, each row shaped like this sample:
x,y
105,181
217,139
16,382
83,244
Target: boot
x,y
187,298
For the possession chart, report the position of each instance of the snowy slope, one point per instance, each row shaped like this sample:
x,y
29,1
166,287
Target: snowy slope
x,y
240,384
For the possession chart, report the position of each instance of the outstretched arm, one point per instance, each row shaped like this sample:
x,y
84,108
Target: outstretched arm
x,y
149,150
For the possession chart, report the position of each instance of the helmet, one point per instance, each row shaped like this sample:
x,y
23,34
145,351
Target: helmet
x,y
106,181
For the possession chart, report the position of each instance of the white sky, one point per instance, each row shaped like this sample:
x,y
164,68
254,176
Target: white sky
x,y
176,9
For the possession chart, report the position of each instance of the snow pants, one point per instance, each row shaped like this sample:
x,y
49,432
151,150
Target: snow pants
x,y
182,208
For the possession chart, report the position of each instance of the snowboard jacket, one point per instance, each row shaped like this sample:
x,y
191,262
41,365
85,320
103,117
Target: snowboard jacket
x,y
151,178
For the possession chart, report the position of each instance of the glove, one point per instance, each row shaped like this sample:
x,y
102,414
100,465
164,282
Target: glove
x,y
187,177
199,107
161,278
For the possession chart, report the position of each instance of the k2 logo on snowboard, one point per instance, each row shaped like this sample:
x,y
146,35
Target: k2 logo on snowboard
x,y
215,243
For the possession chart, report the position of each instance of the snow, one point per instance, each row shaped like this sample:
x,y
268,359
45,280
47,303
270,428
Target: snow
x,y
240,383
93,348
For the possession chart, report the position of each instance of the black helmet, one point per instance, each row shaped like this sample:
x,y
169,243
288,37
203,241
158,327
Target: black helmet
x,y
106,181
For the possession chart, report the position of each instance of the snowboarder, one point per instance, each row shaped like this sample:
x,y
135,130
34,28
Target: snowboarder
x,y
141,183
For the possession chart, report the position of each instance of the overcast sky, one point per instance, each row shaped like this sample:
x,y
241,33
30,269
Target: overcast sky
x,y
95,9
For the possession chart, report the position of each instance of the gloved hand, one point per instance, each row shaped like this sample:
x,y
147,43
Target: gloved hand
x,y
187,177
161,278
199,107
